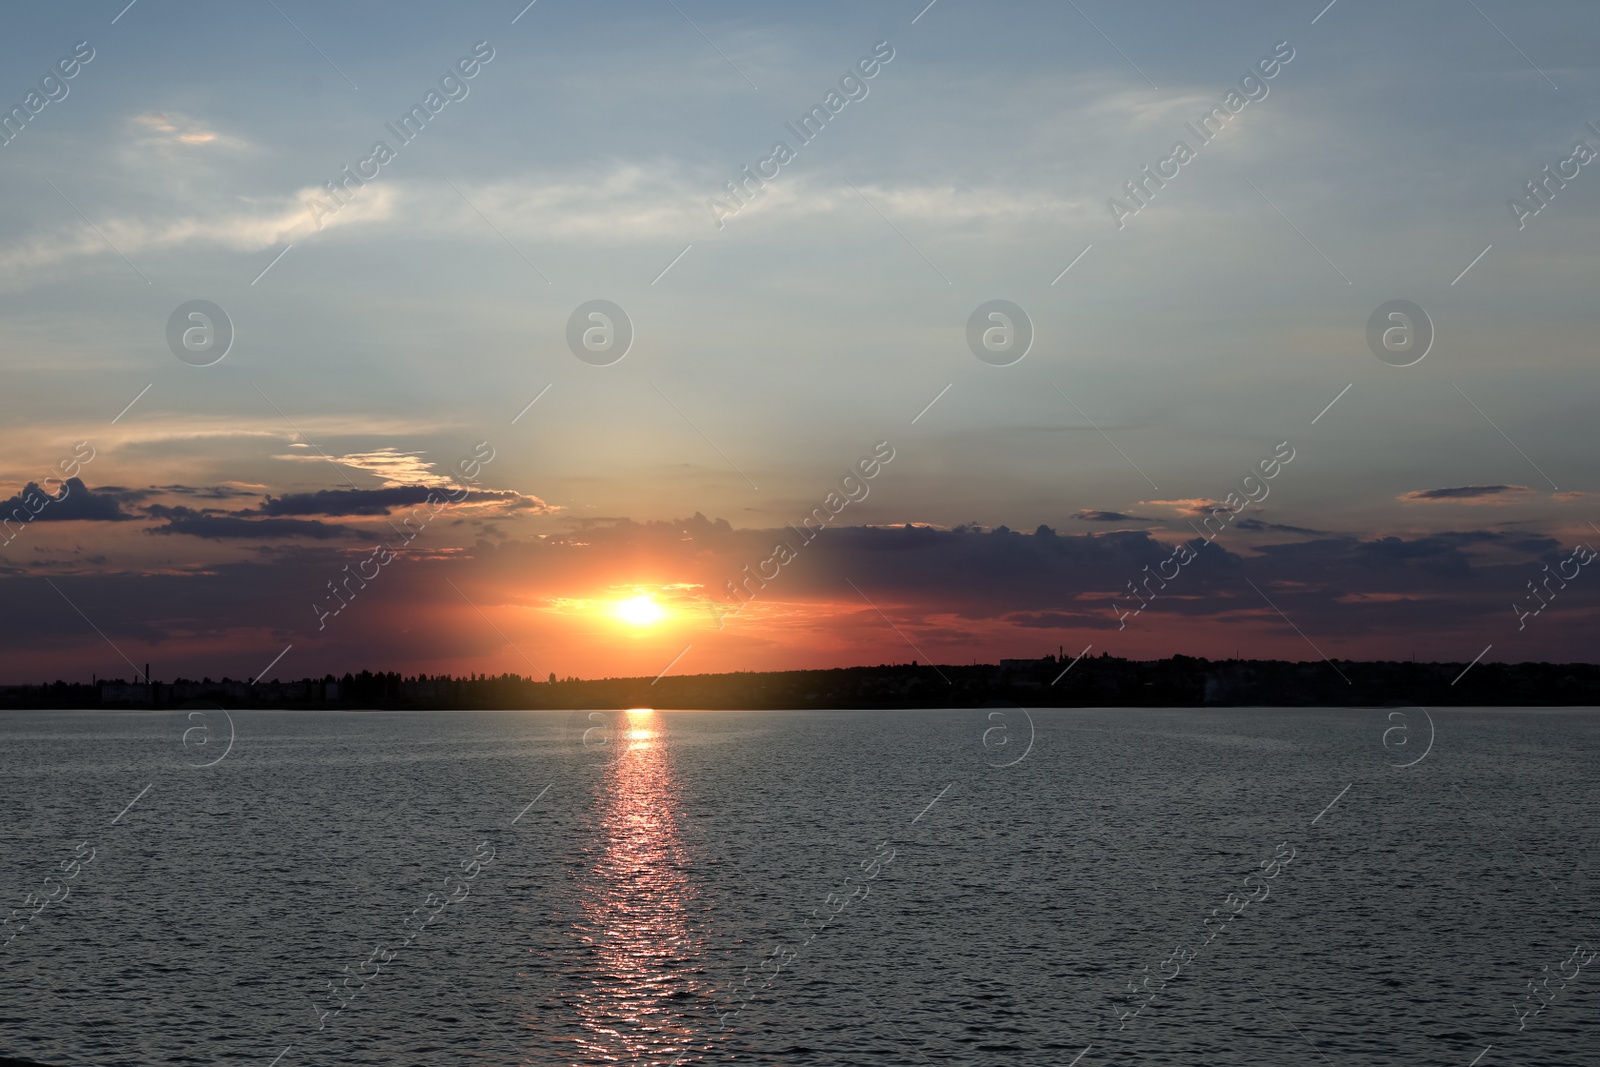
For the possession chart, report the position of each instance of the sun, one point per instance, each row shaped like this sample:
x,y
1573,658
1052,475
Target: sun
x,y
640,611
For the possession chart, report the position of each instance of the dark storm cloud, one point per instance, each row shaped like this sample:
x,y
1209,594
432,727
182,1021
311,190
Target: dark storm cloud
x,y
1257,526
207,492
964,571
381,501
1462,493
213,527
1373,592
1042,578
75,503
125,495
1346,586
1377,594
1092,515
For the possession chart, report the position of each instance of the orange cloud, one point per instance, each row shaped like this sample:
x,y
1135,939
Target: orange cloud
x,y
1198,505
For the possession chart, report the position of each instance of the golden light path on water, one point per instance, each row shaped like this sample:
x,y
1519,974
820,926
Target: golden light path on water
x,y
643,960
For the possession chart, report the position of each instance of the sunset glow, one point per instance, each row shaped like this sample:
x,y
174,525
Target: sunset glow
x,y
732,530
640,611
701,473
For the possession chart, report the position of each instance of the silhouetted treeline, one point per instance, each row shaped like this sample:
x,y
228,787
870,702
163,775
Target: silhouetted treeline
x,y
1104,681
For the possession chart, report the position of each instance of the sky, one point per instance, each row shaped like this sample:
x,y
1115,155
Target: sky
x,y
419,336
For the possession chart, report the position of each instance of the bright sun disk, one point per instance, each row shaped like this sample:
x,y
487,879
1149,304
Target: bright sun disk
x,y
640,611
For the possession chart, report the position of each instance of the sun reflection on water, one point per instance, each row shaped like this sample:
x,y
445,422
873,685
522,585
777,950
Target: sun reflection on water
x,y
642,956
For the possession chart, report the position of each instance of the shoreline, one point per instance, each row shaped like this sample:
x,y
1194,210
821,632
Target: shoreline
x,y
1050,681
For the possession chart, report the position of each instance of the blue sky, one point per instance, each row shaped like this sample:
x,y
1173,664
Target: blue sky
x,y
831,310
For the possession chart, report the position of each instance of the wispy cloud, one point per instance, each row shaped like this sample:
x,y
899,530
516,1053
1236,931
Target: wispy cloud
x,y
1465,494
167,128
1092,515
1195,505
394,467
271,224
382,501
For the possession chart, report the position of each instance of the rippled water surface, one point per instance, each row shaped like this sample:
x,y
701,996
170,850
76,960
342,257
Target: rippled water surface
x,y
801,887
